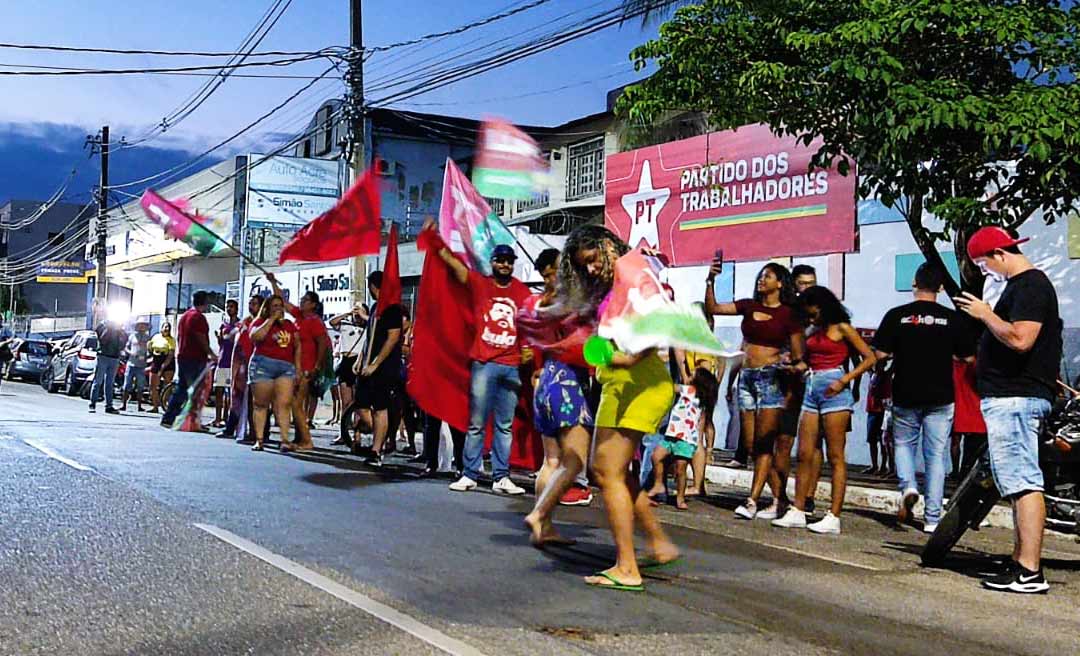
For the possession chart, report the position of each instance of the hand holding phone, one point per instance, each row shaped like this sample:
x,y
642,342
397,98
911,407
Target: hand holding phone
x,y
717,264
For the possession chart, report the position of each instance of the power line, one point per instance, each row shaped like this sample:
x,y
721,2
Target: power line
x,y
460,29
23,72
163,53
481,101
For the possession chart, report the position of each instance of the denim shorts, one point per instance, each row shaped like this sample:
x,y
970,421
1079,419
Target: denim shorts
x,y
559,401
263,369
1013,425
817,382
759,389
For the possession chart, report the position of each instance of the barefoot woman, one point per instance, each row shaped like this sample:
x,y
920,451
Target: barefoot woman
x,y
637,392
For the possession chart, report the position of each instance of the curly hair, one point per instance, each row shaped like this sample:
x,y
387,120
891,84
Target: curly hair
x,y
831,310
787,283
576,289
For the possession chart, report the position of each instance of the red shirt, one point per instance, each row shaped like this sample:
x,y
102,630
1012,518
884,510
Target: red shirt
x,y
311,327
767,326
244,346
496,319
280,343
192,323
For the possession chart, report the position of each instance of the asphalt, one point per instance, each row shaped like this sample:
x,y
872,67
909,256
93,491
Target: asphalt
x,y
110,561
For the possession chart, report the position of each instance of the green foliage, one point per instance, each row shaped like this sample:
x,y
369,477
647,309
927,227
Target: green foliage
x,y
937,100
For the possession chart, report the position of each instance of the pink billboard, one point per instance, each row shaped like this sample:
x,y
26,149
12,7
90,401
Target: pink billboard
x,y
744,191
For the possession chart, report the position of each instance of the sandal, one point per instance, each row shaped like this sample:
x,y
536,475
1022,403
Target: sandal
x,y
615,584
654,564
287,447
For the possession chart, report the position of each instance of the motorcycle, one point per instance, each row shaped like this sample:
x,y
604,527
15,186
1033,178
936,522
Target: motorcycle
x,y
1059,459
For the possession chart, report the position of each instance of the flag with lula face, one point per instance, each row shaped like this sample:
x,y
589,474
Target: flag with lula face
x,y
464,211
180,225
509,163
639,314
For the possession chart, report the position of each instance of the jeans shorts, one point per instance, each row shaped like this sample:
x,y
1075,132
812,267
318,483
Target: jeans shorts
x,y
1013,425
759,389
263,369
817,382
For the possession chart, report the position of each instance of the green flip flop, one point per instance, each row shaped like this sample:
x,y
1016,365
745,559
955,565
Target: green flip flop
x,y
615,584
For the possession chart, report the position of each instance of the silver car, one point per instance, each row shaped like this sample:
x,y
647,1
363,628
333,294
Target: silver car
x,y
71,364
31,356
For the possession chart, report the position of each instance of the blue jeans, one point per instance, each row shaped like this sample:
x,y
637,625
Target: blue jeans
x,y
934,424
493,390
1013,425
189,371
104,374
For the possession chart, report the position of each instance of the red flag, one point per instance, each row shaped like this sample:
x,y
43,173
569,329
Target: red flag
x,y
390,289
349,229
443,332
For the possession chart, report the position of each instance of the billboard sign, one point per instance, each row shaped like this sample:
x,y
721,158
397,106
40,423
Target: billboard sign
x,y
745,191
288,192
63,272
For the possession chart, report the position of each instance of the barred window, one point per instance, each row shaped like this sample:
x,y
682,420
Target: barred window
x,y
585,169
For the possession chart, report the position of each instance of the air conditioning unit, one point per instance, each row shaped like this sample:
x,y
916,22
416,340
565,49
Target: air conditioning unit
x,y
383,167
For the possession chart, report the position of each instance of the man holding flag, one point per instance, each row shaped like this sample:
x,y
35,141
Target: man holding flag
x,y
495,356
193,355
379,380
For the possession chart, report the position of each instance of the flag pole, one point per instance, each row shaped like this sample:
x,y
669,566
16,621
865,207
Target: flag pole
x,y
219,238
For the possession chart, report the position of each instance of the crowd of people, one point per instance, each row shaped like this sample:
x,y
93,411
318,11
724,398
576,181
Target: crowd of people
x,y
936,374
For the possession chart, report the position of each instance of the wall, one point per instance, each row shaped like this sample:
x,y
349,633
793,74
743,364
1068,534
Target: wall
x,y
414,190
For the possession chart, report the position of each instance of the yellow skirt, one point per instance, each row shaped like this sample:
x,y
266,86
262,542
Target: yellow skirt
x,y
635,398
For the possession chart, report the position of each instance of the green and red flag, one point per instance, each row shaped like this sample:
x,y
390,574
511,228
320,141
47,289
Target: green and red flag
x,y
639,314
178,224
509,163
465,212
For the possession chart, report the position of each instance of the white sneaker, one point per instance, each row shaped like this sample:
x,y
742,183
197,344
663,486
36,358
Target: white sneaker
x,y
770,513
463,484
929,528
830,524
747,511
793,518
506,486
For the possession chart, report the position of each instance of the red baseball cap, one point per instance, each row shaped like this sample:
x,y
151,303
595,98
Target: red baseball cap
x,y
989,239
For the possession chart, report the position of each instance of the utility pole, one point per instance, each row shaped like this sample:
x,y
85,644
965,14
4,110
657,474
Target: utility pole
x,y
356,147
102,284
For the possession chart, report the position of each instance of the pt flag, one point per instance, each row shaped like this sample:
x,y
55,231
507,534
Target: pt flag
x,y
746,191
178,224
509,163
465,212
390,290
348,229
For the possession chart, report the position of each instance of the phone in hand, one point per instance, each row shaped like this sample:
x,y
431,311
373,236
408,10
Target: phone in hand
x,y
718,256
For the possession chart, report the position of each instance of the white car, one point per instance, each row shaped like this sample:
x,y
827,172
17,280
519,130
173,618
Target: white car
x,y
71,364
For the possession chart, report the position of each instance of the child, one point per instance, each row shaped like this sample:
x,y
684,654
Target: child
x,y
879,394
680,441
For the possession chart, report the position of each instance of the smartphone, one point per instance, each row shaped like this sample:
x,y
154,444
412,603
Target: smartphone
x,y
718,255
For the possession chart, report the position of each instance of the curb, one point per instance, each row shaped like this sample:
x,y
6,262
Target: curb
x,y
860,497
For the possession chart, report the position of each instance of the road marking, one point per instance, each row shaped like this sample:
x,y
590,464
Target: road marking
x,y
379,610
56,456
837,561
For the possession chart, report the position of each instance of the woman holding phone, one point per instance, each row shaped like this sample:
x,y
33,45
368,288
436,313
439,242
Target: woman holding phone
x,y
828,401
274,369
770,327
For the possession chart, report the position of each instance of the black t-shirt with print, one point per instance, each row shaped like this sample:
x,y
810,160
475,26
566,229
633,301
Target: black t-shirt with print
x,y
922,337
1002,372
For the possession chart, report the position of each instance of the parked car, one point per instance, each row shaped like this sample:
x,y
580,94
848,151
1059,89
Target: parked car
x,y
31,356
71,364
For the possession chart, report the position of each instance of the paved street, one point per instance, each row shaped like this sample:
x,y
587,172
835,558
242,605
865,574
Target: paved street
x,y
119,537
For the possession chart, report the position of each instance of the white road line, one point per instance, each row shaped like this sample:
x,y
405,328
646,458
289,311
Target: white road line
x,y
56,456
837,561
381,611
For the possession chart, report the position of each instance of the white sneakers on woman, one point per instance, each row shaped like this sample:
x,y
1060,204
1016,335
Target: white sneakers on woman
x,y
829,524
747,511
793,518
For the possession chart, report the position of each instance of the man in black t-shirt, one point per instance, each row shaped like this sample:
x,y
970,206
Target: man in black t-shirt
x,y
380,369
922,337
1016,373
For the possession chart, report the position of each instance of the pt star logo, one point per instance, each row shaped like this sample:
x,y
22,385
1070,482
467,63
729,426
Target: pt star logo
x,y
643,207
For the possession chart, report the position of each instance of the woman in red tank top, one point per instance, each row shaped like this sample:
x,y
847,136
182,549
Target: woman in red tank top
x,y
828,401
770,327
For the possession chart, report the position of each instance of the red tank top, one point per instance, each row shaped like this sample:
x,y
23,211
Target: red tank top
x,y
823,353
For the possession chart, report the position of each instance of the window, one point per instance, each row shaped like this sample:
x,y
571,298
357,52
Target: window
x,y
498,205
585,169
324,138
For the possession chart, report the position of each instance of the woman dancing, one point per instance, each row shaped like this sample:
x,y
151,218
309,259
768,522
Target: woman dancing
x,y
636,394
769,327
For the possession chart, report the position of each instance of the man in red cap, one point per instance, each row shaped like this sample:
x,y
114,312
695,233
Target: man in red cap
x,y
1016,371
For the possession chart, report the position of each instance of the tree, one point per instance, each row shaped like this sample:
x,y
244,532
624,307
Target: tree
x,y
967,108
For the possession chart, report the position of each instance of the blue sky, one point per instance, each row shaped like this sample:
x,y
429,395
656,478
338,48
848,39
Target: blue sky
x,y
37,106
